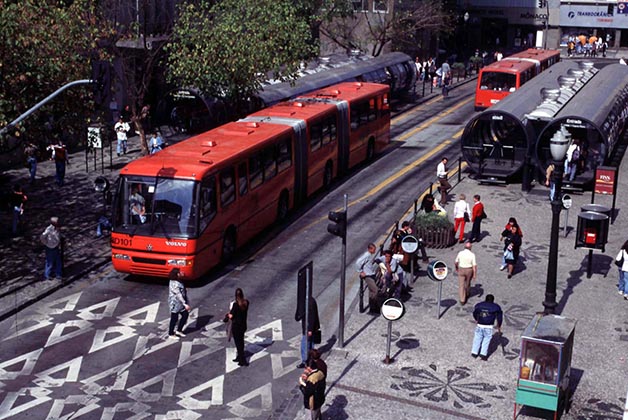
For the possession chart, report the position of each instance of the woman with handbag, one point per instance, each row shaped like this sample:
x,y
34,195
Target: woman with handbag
x,y
178,303
461,215
512,245
237,315
621,261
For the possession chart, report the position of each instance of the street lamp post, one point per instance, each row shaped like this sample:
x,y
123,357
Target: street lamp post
x,y
558,149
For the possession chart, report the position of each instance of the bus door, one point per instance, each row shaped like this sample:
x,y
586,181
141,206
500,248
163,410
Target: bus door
x,y
343,136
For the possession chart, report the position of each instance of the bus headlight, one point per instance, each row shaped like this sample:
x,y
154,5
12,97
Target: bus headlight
x,y
179,263
121,257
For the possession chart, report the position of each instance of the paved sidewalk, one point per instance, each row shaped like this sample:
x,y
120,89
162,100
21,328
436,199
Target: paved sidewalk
x,y
435,377
77,205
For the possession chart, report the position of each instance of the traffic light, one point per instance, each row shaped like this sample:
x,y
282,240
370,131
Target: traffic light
x,y
339,227
101,76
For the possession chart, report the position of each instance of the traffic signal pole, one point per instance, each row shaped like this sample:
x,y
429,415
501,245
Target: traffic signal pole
x,y
343,269
339,228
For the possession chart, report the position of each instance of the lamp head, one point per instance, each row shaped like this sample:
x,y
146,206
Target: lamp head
x,y
466,16
559,143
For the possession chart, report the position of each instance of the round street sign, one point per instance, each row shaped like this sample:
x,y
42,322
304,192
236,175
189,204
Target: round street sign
x,y
392,309
437,270
566,201
409,244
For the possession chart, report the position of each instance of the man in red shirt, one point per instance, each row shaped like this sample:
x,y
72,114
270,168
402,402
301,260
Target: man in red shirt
x,y
477,214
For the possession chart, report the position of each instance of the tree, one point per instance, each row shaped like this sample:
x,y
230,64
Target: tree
x,y
228,49
44,45
402,26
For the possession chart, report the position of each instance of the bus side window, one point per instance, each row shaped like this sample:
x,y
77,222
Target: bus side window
x,y
326,133
284,154
208,201
332,128
270,163
315,136
255,171
227,187
364,113
243,181
372,111
355,116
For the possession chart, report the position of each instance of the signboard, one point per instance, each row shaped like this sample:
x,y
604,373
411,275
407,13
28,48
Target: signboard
x,y
605,177
409,244
567,201
94,139
392,309
622,7
437,270
591,15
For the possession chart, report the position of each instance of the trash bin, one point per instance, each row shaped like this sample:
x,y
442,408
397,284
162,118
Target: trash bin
x,y
598,208
592,230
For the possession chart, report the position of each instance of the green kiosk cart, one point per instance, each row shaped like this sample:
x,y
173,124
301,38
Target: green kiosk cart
x,y
545,363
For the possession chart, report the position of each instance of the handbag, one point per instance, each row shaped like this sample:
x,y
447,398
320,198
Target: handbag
x,y
508,255
484,216
316,337
466,217
620,263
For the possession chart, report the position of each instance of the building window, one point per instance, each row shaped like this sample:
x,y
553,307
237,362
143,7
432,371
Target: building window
x,y
360,5
380,6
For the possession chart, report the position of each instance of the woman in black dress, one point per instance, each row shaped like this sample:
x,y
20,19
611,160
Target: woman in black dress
x,y
237,314
512,242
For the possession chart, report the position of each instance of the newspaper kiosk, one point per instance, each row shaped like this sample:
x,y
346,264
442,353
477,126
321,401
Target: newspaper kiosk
x,y
545,363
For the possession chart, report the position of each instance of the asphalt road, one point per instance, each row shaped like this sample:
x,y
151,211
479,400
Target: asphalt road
x,y
100,346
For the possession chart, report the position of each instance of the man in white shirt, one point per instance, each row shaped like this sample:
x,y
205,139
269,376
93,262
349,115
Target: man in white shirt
x,y
121,129
467,270
441,174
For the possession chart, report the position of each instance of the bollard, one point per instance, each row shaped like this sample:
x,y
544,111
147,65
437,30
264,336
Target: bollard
x,y
459,169
362,308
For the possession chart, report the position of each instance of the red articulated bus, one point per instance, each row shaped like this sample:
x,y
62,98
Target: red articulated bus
x,y
499,79
192,204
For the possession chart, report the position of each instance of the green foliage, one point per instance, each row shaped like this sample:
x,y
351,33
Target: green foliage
x,y
432,220
45,45
227,49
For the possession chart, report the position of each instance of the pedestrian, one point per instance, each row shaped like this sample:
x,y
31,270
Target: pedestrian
x,y
485,313
121,128
312,385
461,216
178,303
310,334
622,264
17,200
549,180
392,273
441,175
60,156
53,241
155,143
31,152
315,355
445,71
367,270
467,270
512,245
477,215
238,313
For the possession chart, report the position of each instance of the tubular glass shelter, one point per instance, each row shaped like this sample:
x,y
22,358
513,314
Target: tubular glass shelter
x,y
497,142
597,123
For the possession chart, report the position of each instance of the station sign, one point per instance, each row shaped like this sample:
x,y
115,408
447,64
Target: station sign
x,y
409,244
437,270
392,309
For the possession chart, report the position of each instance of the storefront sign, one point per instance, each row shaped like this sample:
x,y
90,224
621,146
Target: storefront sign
x,y
605,180
590,15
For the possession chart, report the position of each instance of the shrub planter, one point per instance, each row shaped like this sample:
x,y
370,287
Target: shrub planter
x,y
435,230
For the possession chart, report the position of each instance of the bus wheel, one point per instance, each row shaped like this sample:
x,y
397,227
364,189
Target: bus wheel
x,y
228,245
370,150
282,207
328,175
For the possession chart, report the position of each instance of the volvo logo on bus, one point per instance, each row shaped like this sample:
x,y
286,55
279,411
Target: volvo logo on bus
x,y
176,243
149,247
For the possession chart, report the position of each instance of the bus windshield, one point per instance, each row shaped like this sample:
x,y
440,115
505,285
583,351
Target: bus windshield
x,y
161,207
503,82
